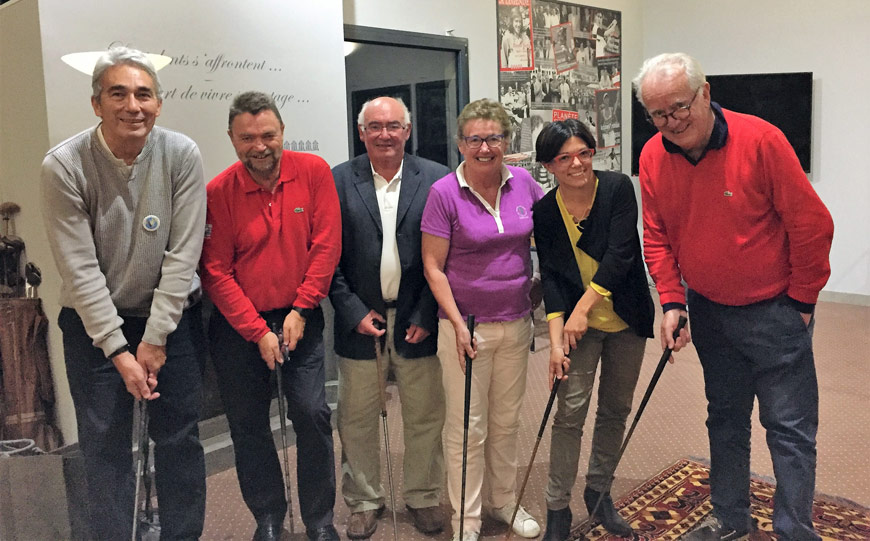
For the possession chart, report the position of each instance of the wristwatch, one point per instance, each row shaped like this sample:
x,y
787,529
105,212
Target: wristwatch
x,y
123,349
304,312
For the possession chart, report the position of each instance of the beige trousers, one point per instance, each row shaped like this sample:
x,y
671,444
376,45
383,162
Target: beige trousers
x,y
498,384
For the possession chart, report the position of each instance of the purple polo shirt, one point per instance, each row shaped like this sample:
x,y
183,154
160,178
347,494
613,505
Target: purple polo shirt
x,y
489,262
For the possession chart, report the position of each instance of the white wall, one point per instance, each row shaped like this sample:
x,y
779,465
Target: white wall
x,y
831,40
43,101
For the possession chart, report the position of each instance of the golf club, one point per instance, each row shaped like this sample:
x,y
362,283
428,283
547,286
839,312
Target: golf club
x,y
282,416
142,436
549,407
382,393
465,428
666,354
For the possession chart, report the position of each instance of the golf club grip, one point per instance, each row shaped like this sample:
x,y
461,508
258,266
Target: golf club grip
x,y
666,354
556,382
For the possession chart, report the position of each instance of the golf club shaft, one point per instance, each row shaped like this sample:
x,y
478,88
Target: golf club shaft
x,y
549,407
468,361
666,354
382,394
142,435
282,419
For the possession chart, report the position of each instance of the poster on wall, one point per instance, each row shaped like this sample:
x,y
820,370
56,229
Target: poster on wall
x,y
560,60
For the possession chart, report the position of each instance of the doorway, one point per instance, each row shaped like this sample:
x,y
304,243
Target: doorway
x,y
429,73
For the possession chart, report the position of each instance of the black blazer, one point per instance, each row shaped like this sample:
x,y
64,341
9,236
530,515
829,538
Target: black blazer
x,y
356,285
609,237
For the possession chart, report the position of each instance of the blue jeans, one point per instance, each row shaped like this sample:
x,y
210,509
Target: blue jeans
x,y
104,414
245,386
761,350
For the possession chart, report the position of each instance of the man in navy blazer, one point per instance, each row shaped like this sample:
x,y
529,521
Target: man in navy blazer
x,y
380,279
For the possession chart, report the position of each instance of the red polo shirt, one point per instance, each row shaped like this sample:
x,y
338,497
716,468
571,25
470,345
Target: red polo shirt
x,y
264,250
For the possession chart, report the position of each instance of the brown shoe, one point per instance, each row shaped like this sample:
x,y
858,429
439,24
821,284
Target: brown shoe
x,y
362,525
427,519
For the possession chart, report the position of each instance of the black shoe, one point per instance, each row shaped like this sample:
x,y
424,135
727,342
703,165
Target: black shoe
x,y
558,525
606,513
269,529
711,529
326,533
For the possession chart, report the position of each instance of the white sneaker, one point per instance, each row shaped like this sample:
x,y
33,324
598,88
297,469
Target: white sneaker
x,y
466,536
524,524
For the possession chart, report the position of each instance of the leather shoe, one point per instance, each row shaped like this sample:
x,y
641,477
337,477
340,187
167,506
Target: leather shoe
x,y
326,533
269,529
606,513
362,524
427,519
558,525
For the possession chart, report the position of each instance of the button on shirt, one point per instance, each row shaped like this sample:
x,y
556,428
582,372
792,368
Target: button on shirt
x,y
387,192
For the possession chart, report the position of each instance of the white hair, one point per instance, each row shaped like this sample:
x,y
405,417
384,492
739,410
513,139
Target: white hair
x,y
122,56
406,115
670,62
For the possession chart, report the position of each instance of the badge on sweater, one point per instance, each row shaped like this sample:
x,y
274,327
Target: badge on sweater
x,y
151,223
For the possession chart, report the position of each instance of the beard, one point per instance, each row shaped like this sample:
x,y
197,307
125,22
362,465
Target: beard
x,y
255,163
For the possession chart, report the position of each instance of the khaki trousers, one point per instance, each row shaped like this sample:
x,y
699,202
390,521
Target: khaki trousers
x,y
422,402
498,384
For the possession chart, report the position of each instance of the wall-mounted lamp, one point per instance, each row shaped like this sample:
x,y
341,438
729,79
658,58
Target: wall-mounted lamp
x,y
85,62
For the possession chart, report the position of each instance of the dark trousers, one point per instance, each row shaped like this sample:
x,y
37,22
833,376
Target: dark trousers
x,y
764,351
244,380
104,413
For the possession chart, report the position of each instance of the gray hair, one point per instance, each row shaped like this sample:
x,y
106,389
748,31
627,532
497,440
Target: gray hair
x,y
117,56
484,109
252,102
406,114
670,62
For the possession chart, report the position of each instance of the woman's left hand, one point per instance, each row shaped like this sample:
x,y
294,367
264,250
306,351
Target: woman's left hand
x,y
575,328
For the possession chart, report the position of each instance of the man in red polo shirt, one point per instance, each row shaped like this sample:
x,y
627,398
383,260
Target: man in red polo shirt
x,y
272,242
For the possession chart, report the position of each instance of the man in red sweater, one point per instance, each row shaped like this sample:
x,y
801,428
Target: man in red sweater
x,y
728,210
272,242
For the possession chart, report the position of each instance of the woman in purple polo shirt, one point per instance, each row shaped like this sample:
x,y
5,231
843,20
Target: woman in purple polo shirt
x,y
476,255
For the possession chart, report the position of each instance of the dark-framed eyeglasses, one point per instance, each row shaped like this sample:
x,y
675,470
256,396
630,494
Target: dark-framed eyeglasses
x,y
476,141
680,112
392,127
567,158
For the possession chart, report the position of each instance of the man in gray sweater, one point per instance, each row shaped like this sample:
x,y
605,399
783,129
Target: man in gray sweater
x,y
124,209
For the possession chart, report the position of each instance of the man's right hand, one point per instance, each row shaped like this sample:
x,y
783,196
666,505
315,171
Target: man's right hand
x,y
669,323
367,325
270,349
136,378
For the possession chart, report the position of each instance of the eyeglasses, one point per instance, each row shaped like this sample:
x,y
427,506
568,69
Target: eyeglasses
x,y
680,112
567,158
392,127
492,141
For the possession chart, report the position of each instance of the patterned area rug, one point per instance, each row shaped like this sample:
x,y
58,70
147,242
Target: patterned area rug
x,y
672,503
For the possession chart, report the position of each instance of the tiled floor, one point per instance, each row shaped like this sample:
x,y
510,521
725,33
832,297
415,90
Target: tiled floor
x,y
671,427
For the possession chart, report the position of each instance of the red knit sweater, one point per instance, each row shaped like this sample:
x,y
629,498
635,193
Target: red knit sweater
x,y
741,226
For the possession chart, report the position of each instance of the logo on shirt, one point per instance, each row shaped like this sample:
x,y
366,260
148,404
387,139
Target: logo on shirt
x,y
522,212
728,193
208,231
151,223
298,210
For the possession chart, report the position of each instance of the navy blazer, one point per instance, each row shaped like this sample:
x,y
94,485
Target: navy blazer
x,y
610,237
356,285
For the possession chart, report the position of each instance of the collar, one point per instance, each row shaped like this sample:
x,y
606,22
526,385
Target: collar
x,y
718,137
460,176
376,175
117,162
288,173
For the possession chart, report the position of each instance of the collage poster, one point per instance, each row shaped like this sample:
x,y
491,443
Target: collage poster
x,y
559,60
